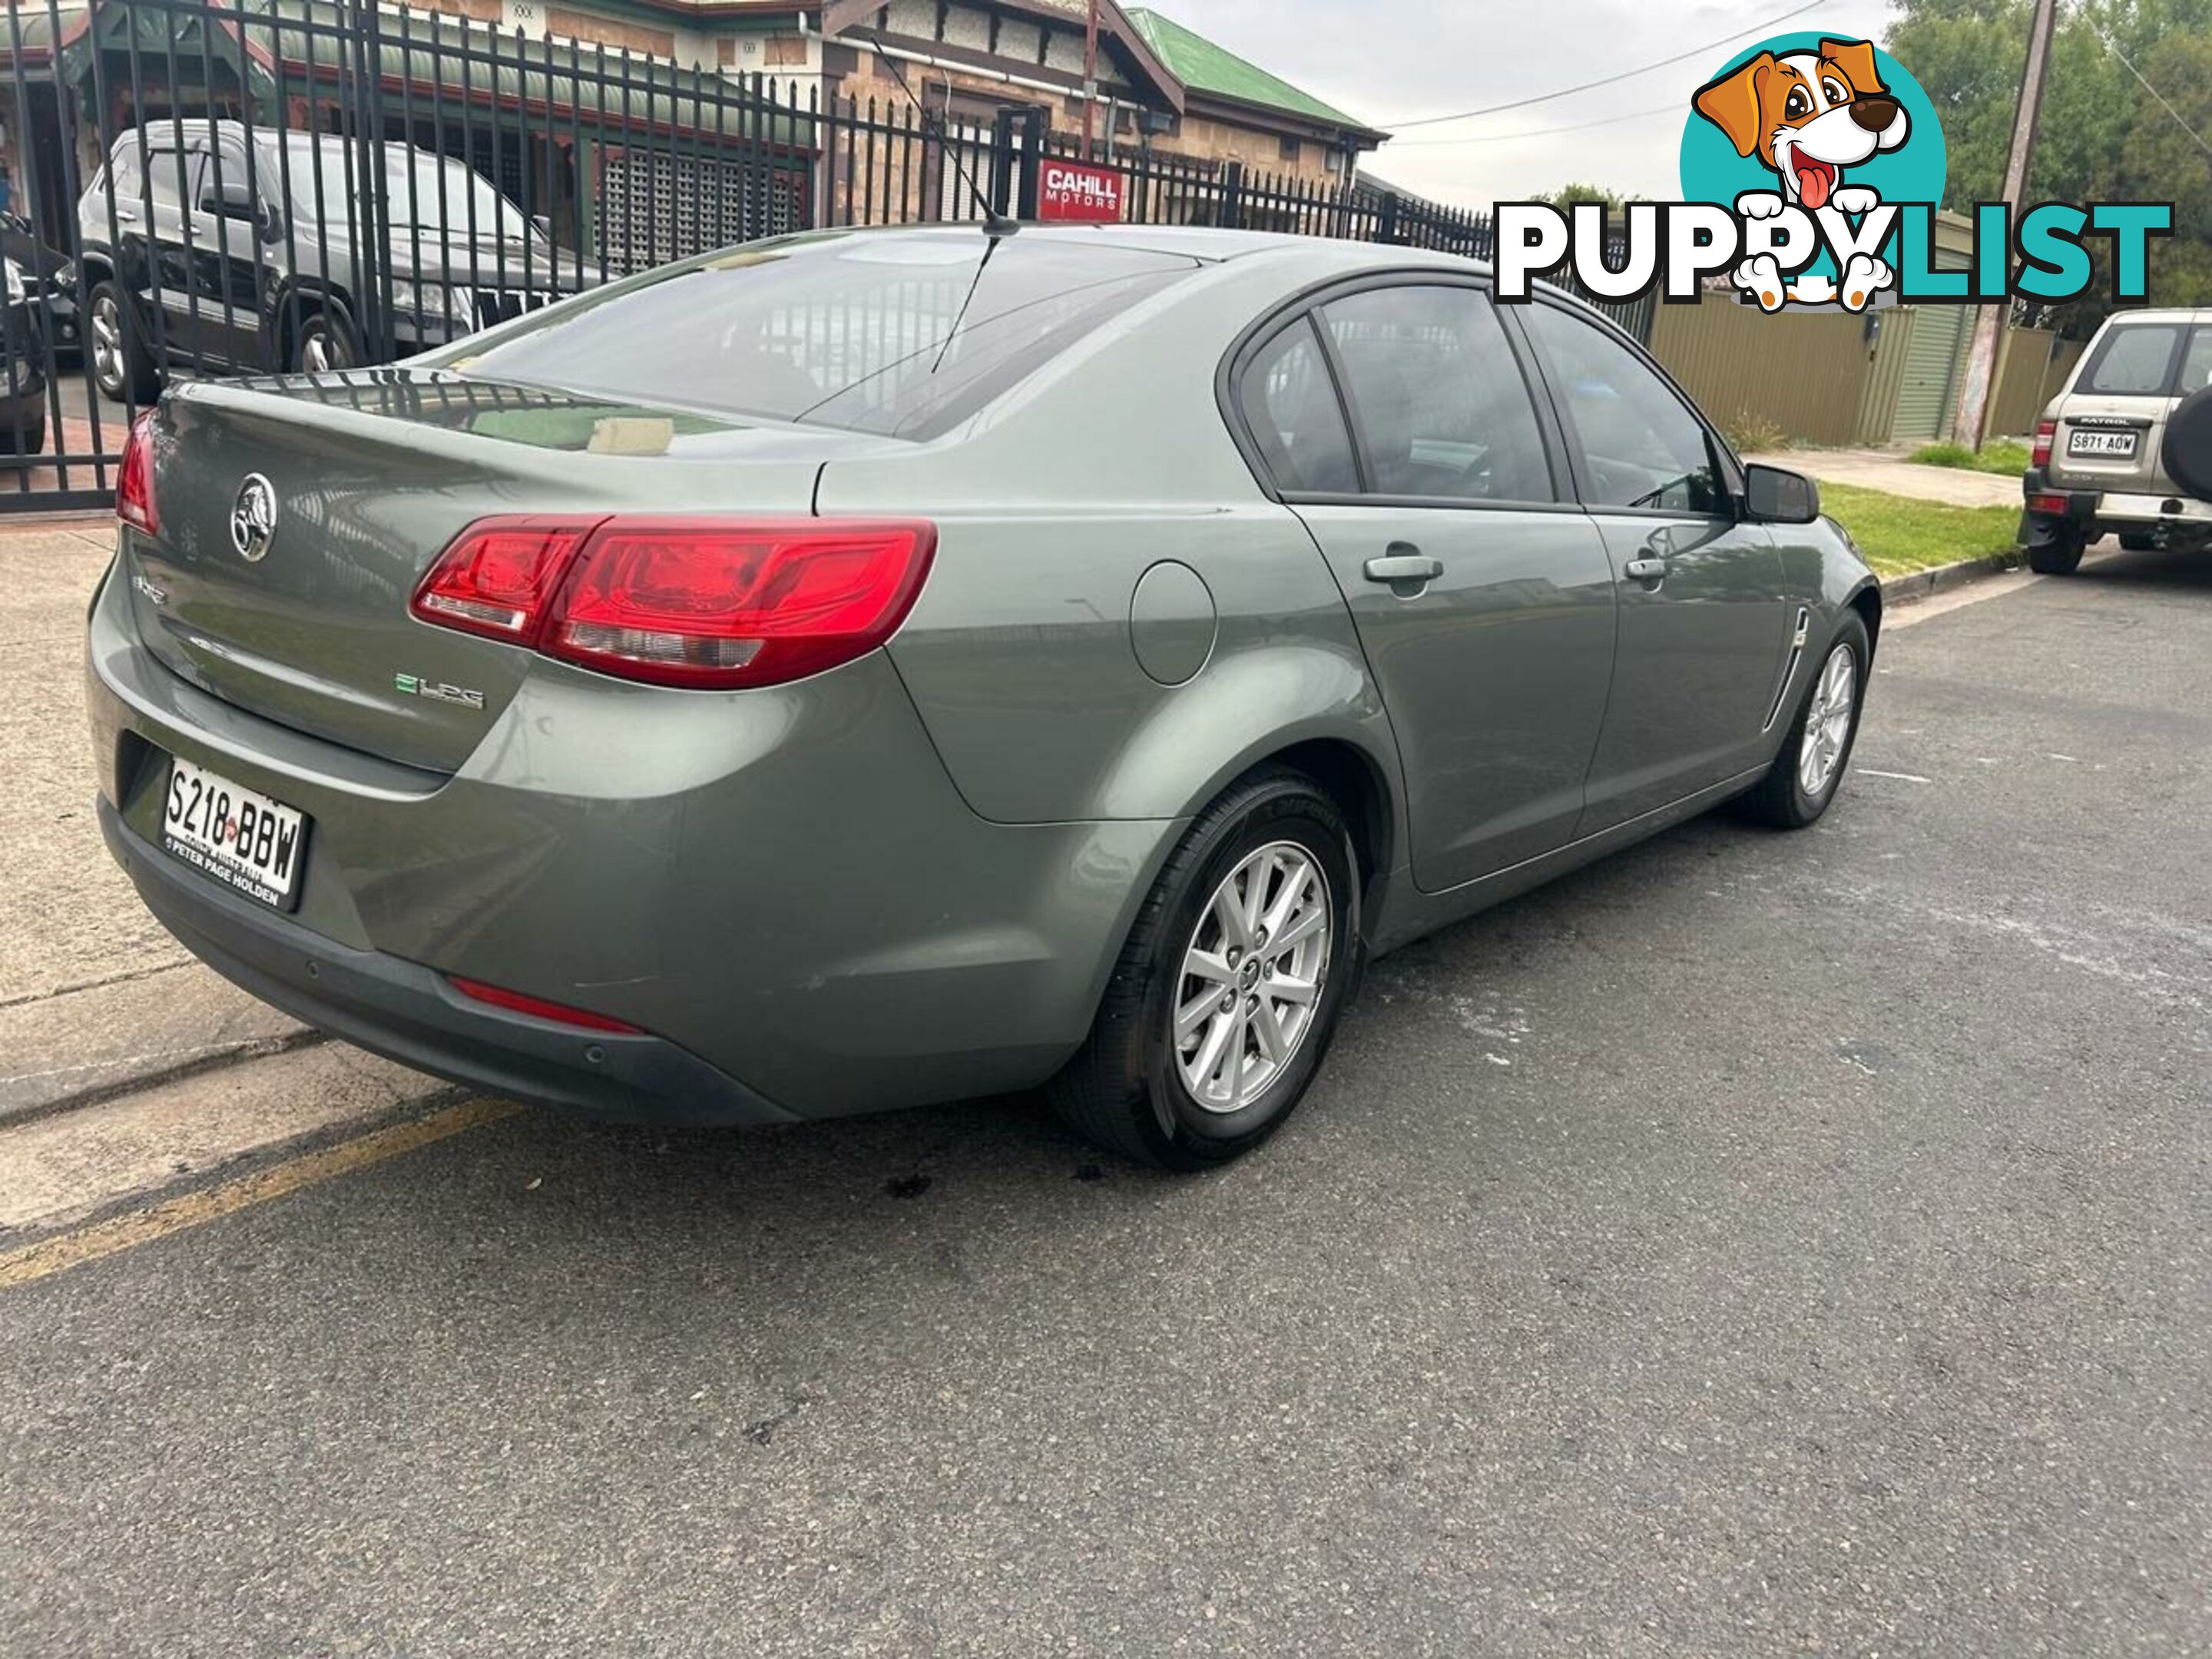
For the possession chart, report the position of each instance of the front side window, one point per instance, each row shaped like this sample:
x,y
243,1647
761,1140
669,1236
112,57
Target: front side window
x,y
1290,410
2136,361
1643,446
1440,401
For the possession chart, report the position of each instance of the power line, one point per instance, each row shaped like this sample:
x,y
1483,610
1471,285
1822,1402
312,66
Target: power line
x,y
1546,98
2194,137
1542,132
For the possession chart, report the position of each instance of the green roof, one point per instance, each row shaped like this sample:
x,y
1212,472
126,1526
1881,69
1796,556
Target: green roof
x,y
1204,67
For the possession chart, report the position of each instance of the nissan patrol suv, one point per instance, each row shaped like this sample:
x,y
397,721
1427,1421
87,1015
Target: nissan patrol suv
x,y
2104,460
230,250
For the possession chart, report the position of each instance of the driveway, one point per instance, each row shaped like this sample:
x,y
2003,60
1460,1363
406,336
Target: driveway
x,y
1753,1245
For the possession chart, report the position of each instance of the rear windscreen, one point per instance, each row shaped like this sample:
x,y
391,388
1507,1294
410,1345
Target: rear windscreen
x,y
903,334
2137,359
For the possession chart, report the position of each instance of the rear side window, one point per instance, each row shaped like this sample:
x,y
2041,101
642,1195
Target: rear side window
x,y
170,173
2195,362
125,176
904,334
1290,409
1438,395
2134,361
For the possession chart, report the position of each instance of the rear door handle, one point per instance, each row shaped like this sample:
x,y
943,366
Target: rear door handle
x,y
1402,567
1646,569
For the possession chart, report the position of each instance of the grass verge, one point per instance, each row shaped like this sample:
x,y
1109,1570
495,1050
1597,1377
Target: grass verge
x,y
1900,535
2002,456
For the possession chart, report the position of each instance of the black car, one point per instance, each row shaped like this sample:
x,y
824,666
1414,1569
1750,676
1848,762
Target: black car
x,y
23,376
225,249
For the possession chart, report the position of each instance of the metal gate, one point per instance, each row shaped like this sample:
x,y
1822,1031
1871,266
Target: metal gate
x,y
221,187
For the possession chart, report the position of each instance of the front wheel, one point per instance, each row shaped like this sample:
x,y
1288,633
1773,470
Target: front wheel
x,y
1227,993
122,365
1803,780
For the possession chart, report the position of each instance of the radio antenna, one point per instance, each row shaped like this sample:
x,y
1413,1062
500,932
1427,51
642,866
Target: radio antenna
x,y
996,224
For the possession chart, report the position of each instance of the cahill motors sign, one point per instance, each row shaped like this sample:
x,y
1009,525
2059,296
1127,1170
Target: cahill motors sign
x,y
1811,168
1075,190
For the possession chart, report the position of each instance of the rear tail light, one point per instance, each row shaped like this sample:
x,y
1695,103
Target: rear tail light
x,y
2044,432
707,603
538,1007
134,479
2046,504
498,575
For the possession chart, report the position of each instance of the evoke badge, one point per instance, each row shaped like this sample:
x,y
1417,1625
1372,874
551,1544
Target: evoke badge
x,y
253,518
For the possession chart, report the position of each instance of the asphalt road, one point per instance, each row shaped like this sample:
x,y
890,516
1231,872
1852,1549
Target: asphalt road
x,y
1755,1245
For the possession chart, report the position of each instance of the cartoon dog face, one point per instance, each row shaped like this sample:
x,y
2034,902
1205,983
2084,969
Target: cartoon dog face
x,y
1806,115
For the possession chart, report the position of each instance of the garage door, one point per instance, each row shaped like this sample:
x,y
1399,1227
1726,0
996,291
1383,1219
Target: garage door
x,y
1930,382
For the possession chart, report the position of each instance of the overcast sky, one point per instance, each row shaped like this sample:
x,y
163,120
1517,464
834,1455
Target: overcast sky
x,y
1387,61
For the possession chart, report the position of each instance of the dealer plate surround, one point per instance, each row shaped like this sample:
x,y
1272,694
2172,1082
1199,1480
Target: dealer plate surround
x,y
239,836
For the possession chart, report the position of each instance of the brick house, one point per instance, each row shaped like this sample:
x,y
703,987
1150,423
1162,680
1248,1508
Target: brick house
x,y
1160,85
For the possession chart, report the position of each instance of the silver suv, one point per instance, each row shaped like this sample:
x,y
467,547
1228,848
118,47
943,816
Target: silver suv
x,y
2098,465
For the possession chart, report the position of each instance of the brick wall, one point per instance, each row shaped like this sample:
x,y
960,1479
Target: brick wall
x,y
598,31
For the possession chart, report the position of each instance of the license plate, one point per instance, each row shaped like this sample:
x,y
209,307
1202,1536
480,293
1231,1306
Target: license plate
x,y
244,840
2121,446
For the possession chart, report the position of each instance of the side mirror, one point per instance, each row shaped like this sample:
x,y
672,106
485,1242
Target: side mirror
x,y
1772,494
236,201
543,226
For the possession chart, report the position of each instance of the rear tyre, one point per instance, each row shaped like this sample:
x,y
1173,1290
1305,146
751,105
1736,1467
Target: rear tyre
x,y
323,344
1227,995
2058,554
123,365
1804,779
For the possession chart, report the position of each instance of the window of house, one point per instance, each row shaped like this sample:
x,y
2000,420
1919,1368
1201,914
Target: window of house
x,y
1290,150
1290,409
1441,403
785,51
1642,446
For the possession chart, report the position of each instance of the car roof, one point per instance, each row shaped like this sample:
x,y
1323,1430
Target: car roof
x,y
2180,314
1327,254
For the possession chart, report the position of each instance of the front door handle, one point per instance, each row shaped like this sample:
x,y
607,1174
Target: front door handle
x,y
1402,564
1646,569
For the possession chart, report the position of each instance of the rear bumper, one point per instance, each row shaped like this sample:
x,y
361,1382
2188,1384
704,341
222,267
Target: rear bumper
x,y
783,886
408,1013
2090,508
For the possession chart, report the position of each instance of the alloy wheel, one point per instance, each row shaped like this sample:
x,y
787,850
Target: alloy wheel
x,y
321,351
107,343
1828,722
1252,977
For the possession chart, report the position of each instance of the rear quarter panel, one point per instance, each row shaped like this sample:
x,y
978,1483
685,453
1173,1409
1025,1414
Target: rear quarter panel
x,y
1051,508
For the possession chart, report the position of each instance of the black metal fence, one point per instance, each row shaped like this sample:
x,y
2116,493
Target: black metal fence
x,y
209,188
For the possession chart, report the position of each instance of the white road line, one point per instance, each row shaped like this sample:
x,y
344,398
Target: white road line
x,y
1902,777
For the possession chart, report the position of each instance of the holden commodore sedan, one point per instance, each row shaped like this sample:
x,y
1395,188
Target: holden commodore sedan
x,y
869,669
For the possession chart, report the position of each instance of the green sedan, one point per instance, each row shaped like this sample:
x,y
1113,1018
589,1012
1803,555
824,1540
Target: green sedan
x,y
869,669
